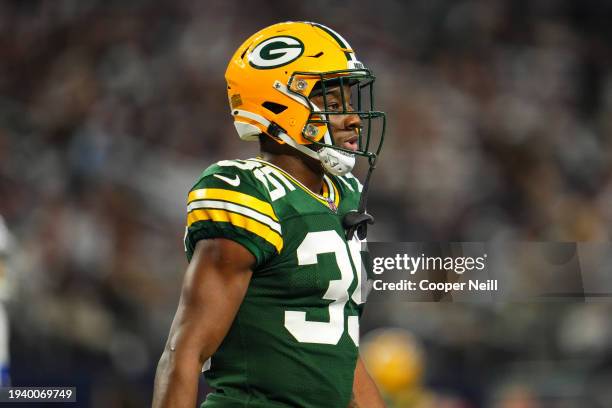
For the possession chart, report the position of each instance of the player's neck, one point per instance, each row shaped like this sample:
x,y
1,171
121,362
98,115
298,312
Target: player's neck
x,y
307,171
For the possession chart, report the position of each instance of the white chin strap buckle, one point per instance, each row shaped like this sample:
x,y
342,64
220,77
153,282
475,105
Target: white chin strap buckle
x,y
336,162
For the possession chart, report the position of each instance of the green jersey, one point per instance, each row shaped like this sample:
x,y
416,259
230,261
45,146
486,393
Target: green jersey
x,y
294,340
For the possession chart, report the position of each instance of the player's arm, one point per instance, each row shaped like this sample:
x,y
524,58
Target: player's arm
x,y
365,392
214,287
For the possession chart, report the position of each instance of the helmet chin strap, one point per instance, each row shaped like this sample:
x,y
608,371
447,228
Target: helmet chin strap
x,y
335,162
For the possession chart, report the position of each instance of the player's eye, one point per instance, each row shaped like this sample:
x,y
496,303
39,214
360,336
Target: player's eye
x,y
333,106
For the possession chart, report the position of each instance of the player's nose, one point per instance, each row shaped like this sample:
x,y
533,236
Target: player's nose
x,y
352,120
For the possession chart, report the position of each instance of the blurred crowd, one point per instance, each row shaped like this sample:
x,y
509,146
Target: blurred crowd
x,y
499,127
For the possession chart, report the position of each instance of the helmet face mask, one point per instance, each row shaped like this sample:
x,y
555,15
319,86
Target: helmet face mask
x,y
272,77
359,101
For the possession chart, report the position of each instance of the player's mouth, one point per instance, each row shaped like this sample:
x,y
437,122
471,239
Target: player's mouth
x,y
351,143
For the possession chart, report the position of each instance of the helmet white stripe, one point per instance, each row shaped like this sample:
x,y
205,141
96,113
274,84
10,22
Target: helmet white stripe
x,y
346,44
253,116
343,43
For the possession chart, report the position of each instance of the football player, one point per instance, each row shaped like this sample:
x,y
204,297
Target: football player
x,y
273,293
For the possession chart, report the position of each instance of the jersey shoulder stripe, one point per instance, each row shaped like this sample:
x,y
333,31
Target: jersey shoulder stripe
x,y
200,205
232,196
228,201
238,220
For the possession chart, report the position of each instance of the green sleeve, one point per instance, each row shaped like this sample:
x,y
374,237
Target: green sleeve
x,y
227,202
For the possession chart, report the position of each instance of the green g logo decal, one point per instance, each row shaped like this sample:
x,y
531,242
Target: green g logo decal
x,y
276,52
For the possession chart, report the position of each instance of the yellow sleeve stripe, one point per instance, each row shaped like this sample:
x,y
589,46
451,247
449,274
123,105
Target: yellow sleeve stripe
x,y
235,208
237,220
233,197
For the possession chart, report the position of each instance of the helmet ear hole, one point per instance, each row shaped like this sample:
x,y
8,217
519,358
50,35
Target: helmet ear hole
x,y
274,107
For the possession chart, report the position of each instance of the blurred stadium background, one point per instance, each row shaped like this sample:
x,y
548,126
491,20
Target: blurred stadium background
x,y
500,126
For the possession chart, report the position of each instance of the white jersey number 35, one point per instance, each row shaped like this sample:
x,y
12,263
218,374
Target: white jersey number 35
x,y
305,331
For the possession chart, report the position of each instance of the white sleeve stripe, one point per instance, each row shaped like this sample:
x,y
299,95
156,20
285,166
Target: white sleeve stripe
x,y
223,205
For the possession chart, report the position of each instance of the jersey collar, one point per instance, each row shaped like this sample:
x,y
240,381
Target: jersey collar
x,y
330,196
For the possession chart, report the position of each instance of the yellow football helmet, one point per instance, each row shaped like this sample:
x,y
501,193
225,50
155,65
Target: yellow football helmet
x,y
394,358
271,77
